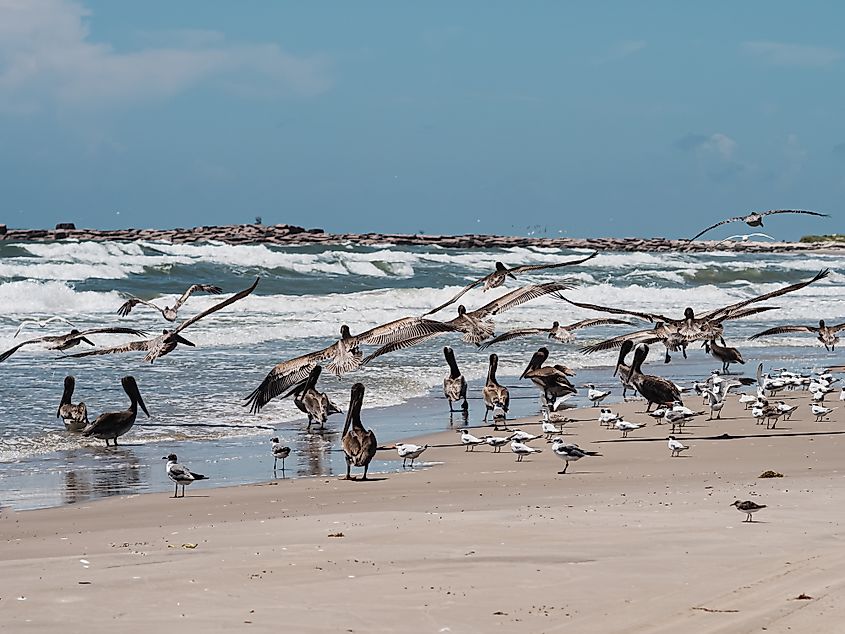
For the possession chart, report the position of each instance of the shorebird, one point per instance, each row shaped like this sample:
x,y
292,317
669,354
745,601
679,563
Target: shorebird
x,y
359,444
607,417
557,332
744,237
408,451
111,425
468,440
311,402
497,277
521,450
596,396
723,353
569,452
755,219
747,399
180,474
75,417
675,419
494,394
749,508
523,436
497,442
71,339
41,323
716,403
820,411
826,334
552,380
280,452
168,312
166,342
786,410
625,427
454,385
654,389
676,446
549,429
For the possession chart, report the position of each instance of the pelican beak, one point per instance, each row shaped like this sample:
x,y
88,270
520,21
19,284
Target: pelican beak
x,y
182,339
88,341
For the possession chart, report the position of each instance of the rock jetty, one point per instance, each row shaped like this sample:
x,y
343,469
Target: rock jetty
x,y
293,235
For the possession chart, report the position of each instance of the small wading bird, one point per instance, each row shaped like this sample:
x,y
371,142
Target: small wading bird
x,y
71,339
408,451
676,446
502,272
469,441
454,385
280,452
41,323
569,452
111,425
521,450
311,402
557,332
359,444
755,219
167,341
75,417
749,508
169,313
824,333
181,475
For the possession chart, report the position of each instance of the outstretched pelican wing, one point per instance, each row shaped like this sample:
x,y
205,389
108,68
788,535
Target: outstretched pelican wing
x,y
226,302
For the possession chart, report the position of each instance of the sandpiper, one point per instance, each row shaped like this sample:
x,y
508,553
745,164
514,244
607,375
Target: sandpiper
x,y
748,507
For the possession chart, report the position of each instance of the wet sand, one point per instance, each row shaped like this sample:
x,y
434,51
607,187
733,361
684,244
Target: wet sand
x,y
629,541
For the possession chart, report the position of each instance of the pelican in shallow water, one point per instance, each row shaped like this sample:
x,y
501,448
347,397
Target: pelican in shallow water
x,y
558,332
553,380
311,402
654,389
167,341
495,395
724,353
168,312
359,444
824,333
180,474
755,219
111,425
454,385
502,272
75,417
71,339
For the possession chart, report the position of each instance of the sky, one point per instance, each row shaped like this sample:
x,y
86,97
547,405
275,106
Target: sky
x,y
552,118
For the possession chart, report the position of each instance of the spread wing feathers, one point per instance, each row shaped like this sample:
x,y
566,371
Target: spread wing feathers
x,y
728,310
196,288
127,306
793,211
466,289
718,224
780,330
226,302
539,267
641,336
398,345
601,321
71,337
146,344
405,328
743,312
618,311
520,296
513,334
285,375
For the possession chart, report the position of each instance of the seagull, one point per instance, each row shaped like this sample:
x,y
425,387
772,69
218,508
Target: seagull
x,y
824,333
408,451
676,419
748,507
755,219
166,342
279,452
497,442
560,333
744,237
111,425
71,339
75,417
497,277
747,400
469,441
569,452
41,323
624,426
521,450
676,446
180,474
169,313
819,411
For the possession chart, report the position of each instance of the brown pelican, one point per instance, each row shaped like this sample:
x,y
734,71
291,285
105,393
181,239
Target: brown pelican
x,y
493,393
169,313
624,370
755,219
824,333
279,452
41,323
110,425
557,332
654,389
359,444
311,402
75,417
345,355
71,339
167,341
723,353
502,272
180,474
454,385
552,380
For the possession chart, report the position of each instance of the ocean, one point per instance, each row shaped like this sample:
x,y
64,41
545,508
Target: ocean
x,y
196,395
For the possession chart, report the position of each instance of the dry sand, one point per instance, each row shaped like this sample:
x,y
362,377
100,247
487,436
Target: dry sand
x,y
631,541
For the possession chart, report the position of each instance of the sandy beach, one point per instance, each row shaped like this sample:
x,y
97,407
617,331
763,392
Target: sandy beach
x,y
629,541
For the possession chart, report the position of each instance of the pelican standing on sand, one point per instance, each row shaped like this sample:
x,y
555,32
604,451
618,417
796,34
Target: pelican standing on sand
x,y
111,425
824,333
654,389
454,385
75,417
359,444
755,219
494,394
180,474
169,313
311,402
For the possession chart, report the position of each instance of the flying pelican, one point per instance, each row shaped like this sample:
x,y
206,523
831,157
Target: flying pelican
x,y
557,332
454,385
167,312
71,339
825,334
359,444
654,389
723,353
75,417
110,425
502,272
493,393
744,237
41,323
755,219
166,342
311,402
552,380
181,475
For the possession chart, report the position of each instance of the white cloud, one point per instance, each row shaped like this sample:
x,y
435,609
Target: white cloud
x,y
797,55
46,54
720,144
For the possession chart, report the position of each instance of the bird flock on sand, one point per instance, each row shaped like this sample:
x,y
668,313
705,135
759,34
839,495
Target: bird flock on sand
x,y
298,377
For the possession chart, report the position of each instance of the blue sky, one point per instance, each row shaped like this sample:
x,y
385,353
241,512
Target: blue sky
x,y
605,118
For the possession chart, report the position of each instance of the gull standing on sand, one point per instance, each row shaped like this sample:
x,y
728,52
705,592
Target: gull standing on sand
x,y
676,446
786,410
75,417
359,444
280,452
521,450
168,312
111,425
569,452
549,429
524,436
454,385
41,323
607,417
497,442
749,508
755,219
468,440
408,451
625,427
181,475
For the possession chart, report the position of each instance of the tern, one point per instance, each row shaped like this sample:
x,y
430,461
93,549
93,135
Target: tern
x,y
521,450
408,451
569,452
676,446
